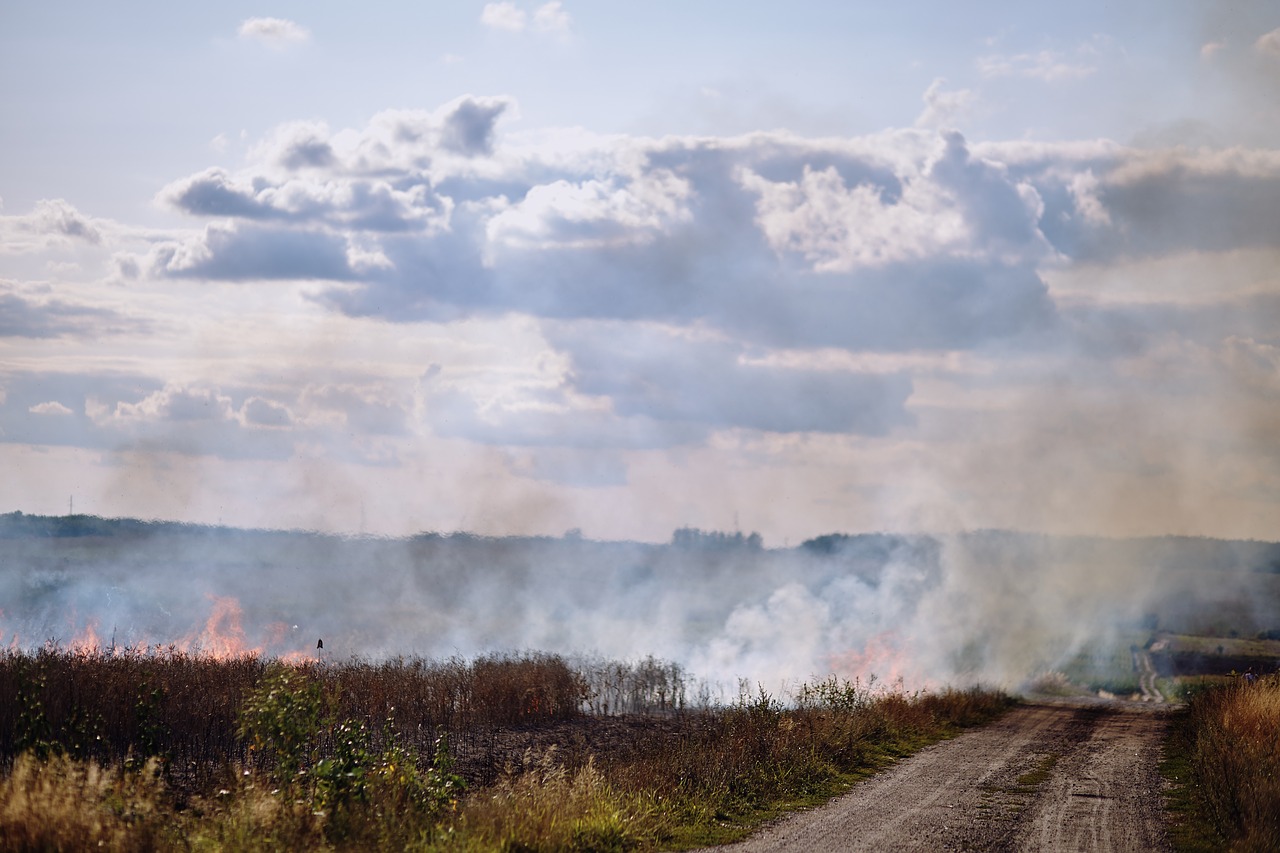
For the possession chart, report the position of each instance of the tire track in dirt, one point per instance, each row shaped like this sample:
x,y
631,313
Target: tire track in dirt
x,y
1104,795
1049,776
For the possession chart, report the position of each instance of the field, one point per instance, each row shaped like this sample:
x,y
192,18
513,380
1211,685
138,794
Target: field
x,y
157,749
237,732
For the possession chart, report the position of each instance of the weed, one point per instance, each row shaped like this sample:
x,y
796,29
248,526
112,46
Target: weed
x,y
282,718
1032,779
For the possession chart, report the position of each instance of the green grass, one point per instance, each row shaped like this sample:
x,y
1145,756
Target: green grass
x,y
1037,777
1191,828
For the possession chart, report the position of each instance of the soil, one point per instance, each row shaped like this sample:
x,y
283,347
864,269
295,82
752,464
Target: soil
x,y
1056,775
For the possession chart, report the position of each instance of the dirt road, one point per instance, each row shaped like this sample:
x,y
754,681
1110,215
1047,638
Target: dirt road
x,y
1043,777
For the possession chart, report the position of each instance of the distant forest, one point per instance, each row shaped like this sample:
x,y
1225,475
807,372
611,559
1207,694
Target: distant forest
x,y
1182,552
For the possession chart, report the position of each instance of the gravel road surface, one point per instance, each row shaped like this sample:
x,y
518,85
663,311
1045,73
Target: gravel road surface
x,y
1051,776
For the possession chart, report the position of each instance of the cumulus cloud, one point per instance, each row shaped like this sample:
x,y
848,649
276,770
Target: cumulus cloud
x,y
548,18
1269,44
259,411
49,407
593,213
274,32
428,215
943,108
297,145
666,274
54,223
1163,201
503,16
959,205
243,253
551,17
468,128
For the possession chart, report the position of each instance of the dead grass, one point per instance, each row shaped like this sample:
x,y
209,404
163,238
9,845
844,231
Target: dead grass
x,y
147,751
1235,760
63,804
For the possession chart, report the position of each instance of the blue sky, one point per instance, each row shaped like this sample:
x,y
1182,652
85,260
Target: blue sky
x,y
530,266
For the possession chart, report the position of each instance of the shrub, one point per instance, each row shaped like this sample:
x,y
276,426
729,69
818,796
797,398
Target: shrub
x,y
282,719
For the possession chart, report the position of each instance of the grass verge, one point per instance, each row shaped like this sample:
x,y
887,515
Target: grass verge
x,y
1222,760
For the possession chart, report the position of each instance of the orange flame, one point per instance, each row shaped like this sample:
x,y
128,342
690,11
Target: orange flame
x,y
87,640
223,635
881,659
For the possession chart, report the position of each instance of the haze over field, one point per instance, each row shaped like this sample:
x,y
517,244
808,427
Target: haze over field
x,y
521,268
989,607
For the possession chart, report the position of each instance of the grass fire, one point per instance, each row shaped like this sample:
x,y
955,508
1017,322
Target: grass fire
x,y
462,692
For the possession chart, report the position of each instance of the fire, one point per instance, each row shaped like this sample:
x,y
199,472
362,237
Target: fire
x,y
223,635
87,640
881,658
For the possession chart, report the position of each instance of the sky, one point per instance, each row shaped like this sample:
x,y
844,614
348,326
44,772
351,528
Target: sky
x,y
533,267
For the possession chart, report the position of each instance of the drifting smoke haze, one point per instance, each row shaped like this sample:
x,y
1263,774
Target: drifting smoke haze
x,y
516,269
988,607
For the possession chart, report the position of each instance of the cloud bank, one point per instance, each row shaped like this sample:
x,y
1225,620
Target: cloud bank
x,y
917,309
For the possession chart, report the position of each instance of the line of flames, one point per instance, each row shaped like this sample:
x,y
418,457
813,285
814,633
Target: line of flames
x,y
221,638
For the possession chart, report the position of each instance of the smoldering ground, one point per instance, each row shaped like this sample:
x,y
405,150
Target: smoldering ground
x,y
984,607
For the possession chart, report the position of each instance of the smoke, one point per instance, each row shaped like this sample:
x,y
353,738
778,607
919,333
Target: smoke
x,y
992,608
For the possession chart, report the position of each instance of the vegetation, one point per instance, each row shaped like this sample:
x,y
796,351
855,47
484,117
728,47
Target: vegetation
x,y
1224,759
159,750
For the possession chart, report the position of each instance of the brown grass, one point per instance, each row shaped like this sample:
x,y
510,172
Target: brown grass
x,y
147,750
1235,760
63,804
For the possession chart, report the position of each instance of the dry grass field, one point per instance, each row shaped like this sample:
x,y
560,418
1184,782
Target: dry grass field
x,y
162,750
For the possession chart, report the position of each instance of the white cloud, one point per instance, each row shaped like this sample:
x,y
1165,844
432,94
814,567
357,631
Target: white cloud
x,y
943,108
551,17
53,223
503,16
593,213
1051,66
838,228
634,259
1269,44
51,407
1209,50
548,18
274,32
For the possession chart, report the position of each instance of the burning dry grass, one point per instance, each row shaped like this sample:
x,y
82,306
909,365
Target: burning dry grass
x,y
170,751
